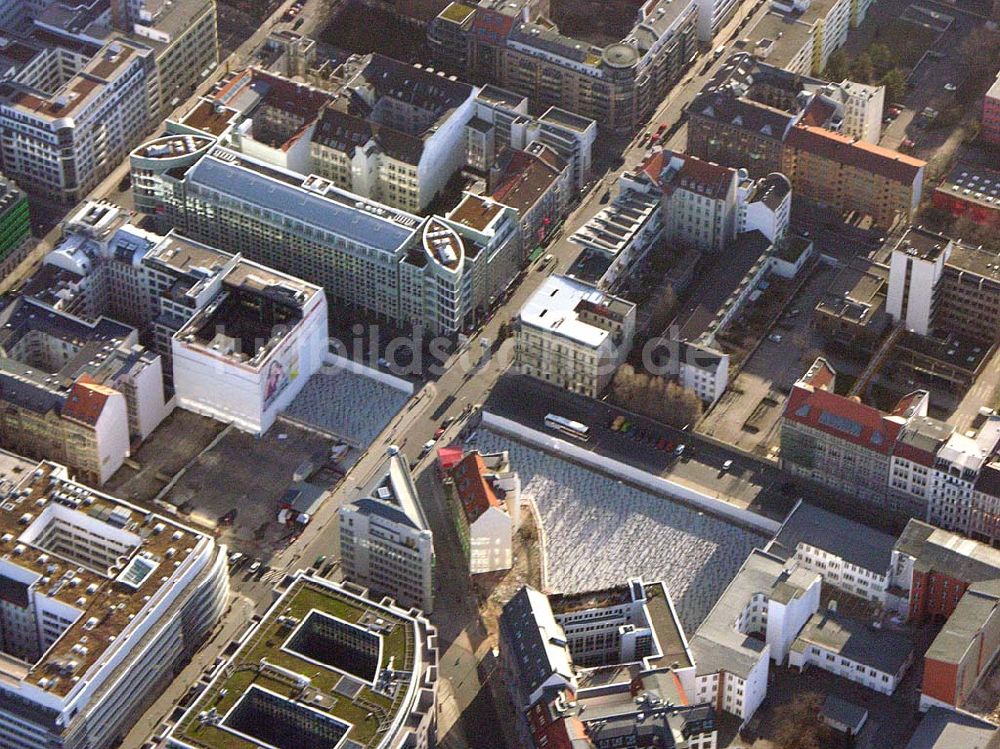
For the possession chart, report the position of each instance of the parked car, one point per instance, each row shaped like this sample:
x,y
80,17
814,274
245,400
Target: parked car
x,y
428,446
775,337
255,566
319,561
907,143
950,87
438,433
727,465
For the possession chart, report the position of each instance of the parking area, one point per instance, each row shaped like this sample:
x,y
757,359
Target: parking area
x,y
237,487
747,415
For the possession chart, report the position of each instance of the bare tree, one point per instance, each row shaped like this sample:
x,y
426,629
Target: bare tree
x,y
797,724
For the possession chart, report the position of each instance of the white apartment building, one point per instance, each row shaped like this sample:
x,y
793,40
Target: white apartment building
x,y
861,106
488,493
573,335
102,604
765,205
848,556
828,23
385,541
713,15
620,234
705,206
854,650
699,199
769,598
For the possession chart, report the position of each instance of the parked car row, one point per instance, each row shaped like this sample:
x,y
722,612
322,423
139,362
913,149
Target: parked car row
x,y
632,430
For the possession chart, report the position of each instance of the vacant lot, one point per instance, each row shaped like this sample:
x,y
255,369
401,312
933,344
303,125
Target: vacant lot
x,y
249,475
180,437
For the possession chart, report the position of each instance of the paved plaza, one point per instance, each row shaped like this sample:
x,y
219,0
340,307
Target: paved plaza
x,y
351,406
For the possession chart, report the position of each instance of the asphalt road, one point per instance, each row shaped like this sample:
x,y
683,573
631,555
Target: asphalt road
x,y
748,483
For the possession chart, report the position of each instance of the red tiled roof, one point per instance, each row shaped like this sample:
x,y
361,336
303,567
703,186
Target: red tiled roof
x,y
564,733
474,491
820,375
845,418
704,177
86,401
914,454
817,113
856,153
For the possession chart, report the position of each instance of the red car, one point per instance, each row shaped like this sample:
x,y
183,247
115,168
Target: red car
x,y
438,432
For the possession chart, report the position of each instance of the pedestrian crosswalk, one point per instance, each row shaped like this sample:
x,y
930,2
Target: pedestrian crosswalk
x,y
272,576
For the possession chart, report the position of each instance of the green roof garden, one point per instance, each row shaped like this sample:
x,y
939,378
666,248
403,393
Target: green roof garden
x,y
271,659
457,12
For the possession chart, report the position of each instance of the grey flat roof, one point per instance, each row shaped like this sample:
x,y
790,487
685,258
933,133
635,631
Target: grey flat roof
x,y
241,180
718,645
949,553
855,543
857,641
963,626
844,712
942,728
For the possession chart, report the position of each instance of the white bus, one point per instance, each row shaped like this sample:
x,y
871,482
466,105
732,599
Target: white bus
x,y
573,429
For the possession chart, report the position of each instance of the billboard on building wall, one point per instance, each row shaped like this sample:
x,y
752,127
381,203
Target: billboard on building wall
x,y
280,371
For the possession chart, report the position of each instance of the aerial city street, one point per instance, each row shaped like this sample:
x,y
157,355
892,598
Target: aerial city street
x,y
499,374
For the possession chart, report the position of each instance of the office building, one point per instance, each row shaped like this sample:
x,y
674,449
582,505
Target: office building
x,y
956,581
15,217
619,85
573,335
385,541
62,141
85,85
432,272
103,603
603,668
502,120
755,621
852,311
328,664
972,191
990,123
238,340
488,496
938,283
851,175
